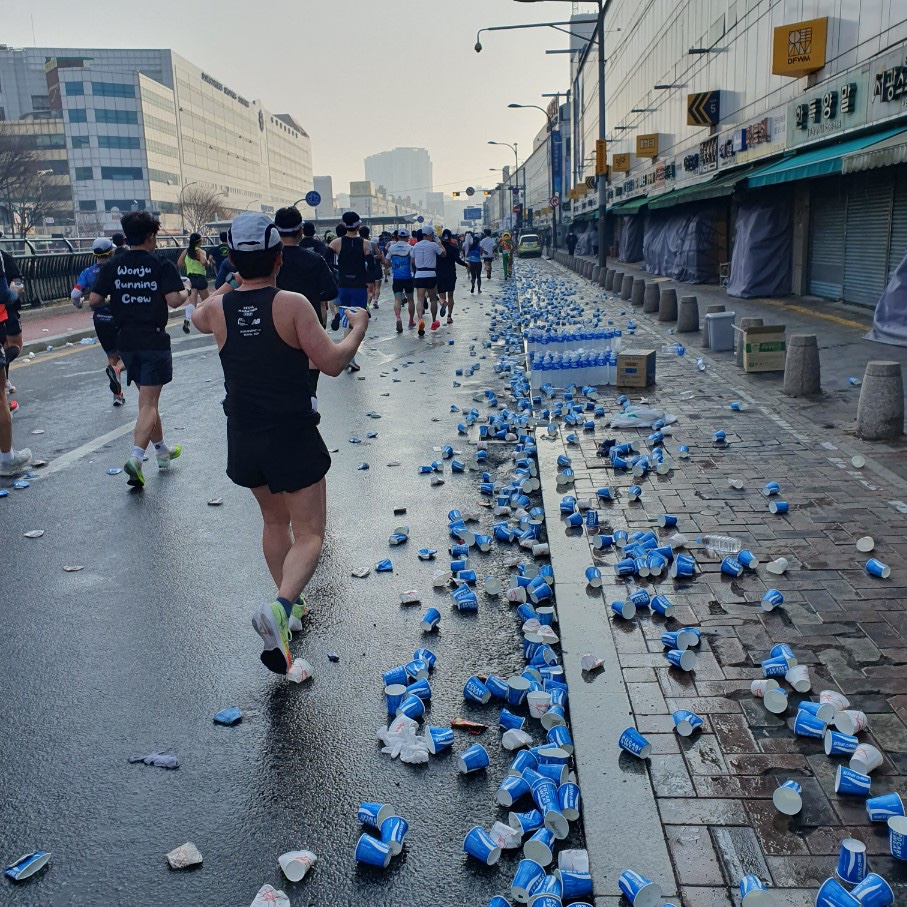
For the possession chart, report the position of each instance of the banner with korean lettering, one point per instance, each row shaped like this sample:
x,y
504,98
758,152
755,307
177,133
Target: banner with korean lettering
x,y
557,161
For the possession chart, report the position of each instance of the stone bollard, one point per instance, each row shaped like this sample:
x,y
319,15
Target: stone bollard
x,y
618,283
590,267
609,279
596,271
639,291
626,290
688,315
650,299
603,273
738,339
801,366
880,412
667,304
709,309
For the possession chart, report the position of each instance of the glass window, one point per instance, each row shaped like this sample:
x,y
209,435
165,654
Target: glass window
x,y
89,205
40,102
80,141
166,207
77,115
104,115
162,176
73,88
118,141
113,89
124,204
84,173
121,173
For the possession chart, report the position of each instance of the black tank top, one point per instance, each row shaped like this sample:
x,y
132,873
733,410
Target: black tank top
x,y
267,380
351,263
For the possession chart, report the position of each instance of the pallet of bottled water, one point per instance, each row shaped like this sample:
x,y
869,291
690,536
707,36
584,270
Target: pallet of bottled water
x,y
579,367
564,341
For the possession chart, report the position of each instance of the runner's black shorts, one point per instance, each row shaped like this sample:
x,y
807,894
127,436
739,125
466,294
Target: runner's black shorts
x,y
197,282
288,458
148,368
425,283
403,286
107,335
446,284
12,327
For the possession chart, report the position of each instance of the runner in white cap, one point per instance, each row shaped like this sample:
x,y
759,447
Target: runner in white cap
x,y
425,254
399,254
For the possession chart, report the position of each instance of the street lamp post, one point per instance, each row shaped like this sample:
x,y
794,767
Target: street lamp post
x,y
516,167
602,179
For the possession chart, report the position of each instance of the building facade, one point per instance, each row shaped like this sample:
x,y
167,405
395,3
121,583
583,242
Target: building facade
x,y
403,172
142,126
728,122
324,186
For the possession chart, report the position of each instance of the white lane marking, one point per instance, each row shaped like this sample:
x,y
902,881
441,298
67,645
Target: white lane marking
x,y
89,447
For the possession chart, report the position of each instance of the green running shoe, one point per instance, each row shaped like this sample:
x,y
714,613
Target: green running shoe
x,y
270,623
165,459
133,469
300,609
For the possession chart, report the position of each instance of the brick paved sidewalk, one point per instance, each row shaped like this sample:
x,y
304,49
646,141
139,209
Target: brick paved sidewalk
x,y
714,790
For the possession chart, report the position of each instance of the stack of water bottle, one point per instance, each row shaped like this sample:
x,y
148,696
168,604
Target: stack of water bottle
x,y
551,340
598,367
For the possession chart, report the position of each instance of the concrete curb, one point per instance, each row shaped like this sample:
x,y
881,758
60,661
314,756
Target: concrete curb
x,y
616,787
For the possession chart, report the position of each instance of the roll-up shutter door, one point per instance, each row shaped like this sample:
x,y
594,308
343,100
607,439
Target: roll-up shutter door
x,y
826,239
868,231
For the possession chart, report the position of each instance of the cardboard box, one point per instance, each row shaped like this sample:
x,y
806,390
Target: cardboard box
x,y
764,348
635,368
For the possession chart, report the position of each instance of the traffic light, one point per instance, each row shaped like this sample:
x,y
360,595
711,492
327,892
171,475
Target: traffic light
x,y
486,192
456,194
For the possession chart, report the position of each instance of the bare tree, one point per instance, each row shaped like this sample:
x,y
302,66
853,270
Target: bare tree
x,y
199,206
90,223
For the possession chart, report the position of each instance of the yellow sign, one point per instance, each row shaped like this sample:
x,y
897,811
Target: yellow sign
x,y
601,156
620,163
647,145
799,49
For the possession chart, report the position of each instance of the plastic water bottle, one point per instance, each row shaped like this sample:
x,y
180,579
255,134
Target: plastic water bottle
x,y
720,544
700,364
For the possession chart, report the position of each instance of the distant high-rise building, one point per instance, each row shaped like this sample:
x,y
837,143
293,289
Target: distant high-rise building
x,y
324,186
434,201
403,172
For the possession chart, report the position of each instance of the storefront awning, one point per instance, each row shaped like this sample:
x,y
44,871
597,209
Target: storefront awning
x,y
630,207
883,154
815,162
717,187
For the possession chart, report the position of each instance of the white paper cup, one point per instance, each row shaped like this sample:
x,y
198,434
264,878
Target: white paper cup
x,y
296,863
300,670
837,700
492,586
539,702
440,578
517,594
573,861
858,462
866,544
851,721
760,687
777,566
865,758
515,739
540,549
798,678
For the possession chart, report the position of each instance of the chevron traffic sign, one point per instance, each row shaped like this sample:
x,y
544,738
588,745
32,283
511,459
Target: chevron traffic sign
x,y
704,108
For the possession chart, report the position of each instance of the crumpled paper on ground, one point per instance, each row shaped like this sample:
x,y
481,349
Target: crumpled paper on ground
x,y
641,417
401,740
269,896
184,856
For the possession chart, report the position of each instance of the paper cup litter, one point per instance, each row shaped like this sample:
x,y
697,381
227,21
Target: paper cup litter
x,y
296,863
778,566
788,798
865,759
866,544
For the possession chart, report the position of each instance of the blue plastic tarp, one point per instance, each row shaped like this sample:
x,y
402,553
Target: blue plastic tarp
x,y
631,238
889,324
682,246
761,260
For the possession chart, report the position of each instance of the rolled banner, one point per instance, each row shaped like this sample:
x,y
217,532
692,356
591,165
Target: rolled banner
x,y
851,869
638,890
788,798
851,783
634,743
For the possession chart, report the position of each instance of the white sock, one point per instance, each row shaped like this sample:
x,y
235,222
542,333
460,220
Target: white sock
x,y
190,308
138,453
6,457
161,447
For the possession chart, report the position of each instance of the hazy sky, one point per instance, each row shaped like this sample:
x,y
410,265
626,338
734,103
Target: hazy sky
x,y
360,75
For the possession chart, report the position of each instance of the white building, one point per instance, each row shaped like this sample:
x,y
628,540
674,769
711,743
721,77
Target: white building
x,y
404,172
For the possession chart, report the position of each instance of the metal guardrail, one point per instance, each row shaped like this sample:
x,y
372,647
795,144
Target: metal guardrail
x,y
50,277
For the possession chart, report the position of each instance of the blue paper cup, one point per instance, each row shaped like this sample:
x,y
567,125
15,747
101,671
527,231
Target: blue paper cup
x,y
625,567
640,598
524,760
26,866
638,890
438,739
621,537
542,592
634,743
771,600
393,833
511,789
551,755
685,723
626,610
473,759
480,846
395,676
684,659
788,798
497,686
873,891
852,784
838,744
549,889
808,725
373,852
667,520
411,706
748,559
528,876
594,577
897,837
690,635
430,620
560,737
574,884
783,649
526,822
518,687
373,814
875,567
394,694
730,566
778,507
459,564
771,488
416,669
634,492
420,688
833,894
540,849
775,667
570,798
425,655
662,605
556,773
851,869
754,894
883,807
476,691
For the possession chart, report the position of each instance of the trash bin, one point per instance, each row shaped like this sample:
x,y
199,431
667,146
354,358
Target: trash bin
x,y
720,330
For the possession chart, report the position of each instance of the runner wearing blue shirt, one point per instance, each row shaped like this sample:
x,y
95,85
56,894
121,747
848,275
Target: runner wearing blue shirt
x,y
399,254
103,250
474,261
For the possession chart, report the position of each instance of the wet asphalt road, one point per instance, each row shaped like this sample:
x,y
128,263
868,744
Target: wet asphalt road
x,y
138,650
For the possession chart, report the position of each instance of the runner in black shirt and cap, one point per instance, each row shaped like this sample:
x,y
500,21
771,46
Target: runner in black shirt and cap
x,y
267,338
